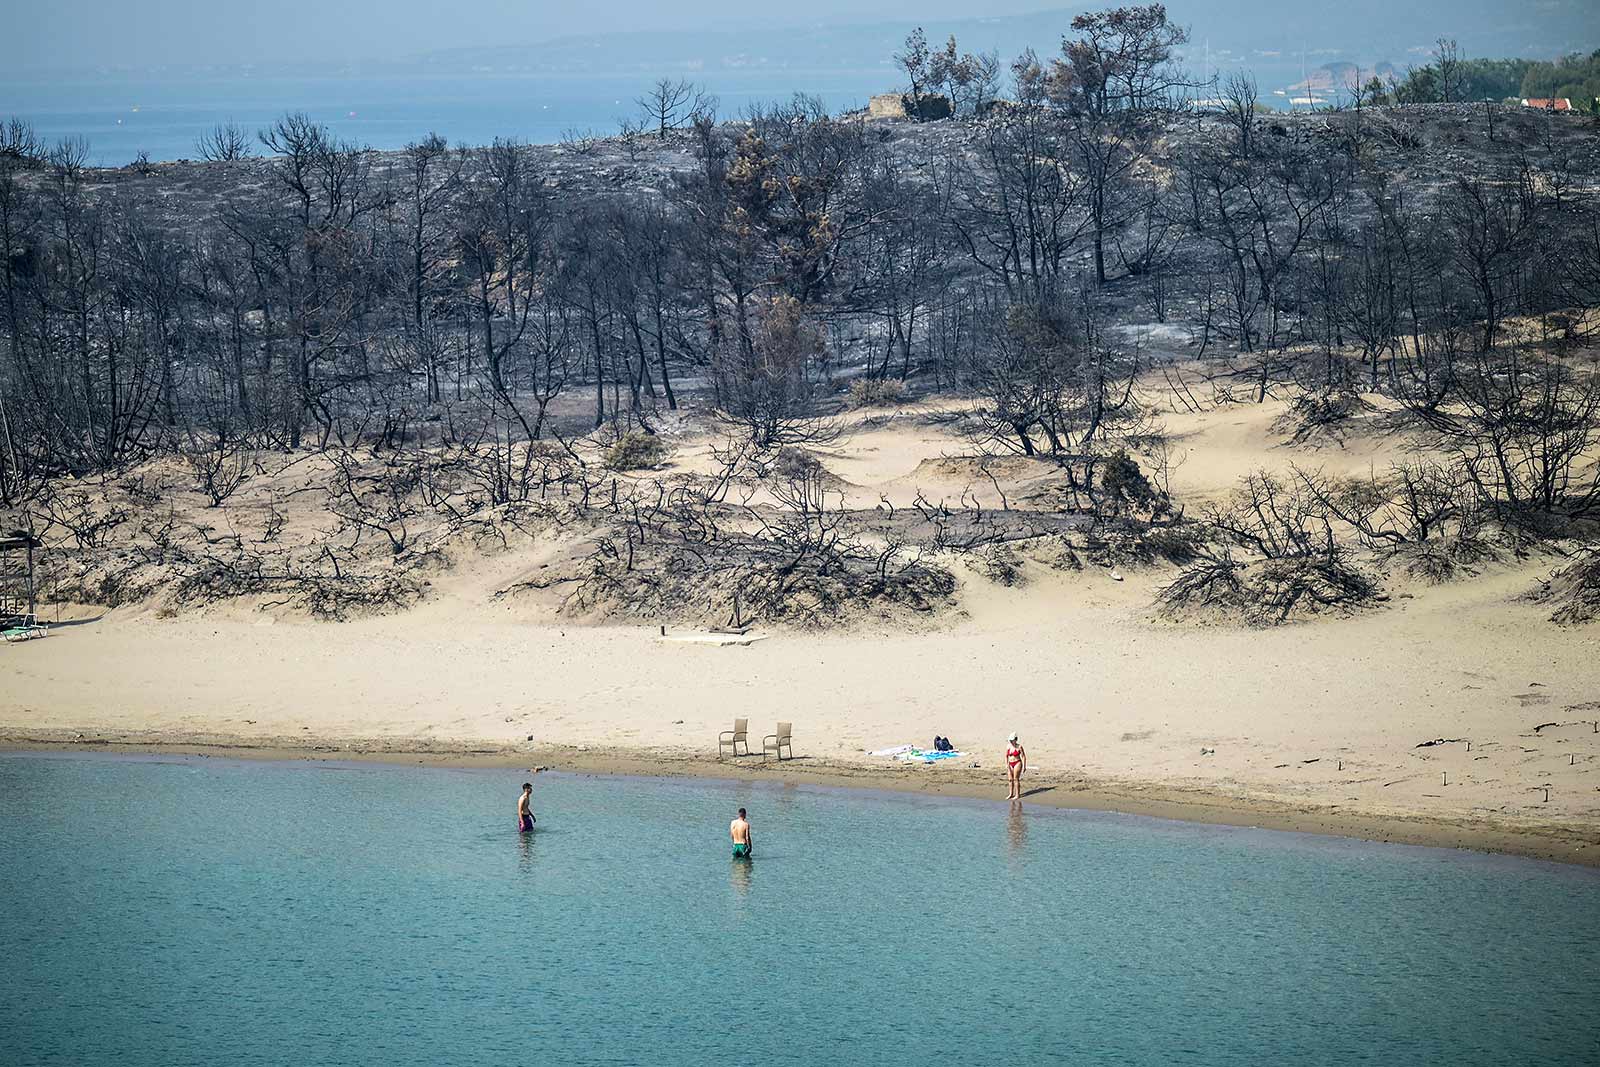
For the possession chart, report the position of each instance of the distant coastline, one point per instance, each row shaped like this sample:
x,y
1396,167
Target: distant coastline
x,y
121,117
126,109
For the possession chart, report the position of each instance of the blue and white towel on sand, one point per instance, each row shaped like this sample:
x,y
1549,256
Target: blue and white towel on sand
x,y
917,755
912,754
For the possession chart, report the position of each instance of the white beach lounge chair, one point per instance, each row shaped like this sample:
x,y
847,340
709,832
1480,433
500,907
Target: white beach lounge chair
x,y
25,632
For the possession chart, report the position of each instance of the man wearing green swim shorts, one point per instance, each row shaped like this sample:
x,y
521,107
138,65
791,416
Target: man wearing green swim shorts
x,y
739,830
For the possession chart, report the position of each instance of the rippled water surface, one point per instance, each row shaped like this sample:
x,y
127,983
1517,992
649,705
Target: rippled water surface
x,y
214,912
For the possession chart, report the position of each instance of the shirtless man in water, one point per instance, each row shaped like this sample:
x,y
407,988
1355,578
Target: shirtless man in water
x,y
525,818
739,830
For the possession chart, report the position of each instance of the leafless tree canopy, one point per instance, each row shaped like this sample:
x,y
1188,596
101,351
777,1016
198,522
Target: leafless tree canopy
x,y
460,314
226,141
670,105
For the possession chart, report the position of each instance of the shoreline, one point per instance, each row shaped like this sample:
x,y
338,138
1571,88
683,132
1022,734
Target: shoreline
x,y
1547,841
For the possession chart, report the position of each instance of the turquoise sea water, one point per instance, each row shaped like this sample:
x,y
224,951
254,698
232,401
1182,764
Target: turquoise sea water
x,y
124,115
216,912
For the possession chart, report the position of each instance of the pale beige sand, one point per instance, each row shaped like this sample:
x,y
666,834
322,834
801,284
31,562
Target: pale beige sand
x,y
1321,718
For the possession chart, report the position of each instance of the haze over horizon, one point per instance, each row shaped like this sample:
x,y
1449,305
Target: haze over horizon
x,y
88,34
106,33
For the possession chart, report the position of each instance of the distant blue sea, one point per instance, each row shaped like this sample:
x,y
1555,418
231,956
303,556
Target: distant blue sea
x,y
190,911
120,117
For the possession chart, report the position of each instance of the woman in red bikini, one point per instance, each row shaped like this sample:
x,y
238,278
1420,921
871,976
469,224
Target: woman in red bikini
x,y
1016,766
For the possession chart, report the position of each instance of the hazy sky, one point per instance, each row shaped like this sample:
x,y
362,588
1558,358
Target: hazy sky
x,y
75,33
57,34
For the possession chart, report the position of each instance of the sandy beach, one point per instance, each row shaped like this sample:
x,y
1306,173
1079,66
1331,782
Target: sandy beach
x,y
1315,727
1453,714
